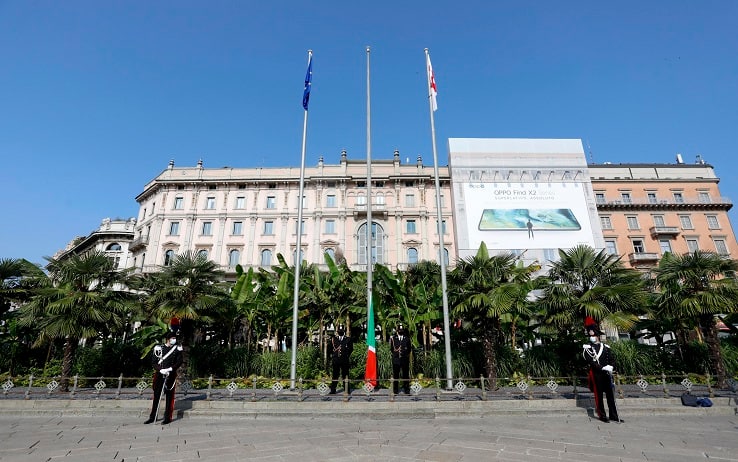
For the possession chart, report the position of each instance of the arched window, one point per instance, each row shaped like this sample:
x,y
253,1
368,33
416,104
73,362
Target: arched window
x,y
412,255
202,253
114,246
379,200
168,257
331,252
294,257
445,256
377,244
233,257
266,257
361,199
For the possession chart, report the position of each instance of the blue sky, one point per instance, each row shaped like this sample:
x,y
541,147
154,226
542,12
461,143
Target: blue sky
x,y
97,97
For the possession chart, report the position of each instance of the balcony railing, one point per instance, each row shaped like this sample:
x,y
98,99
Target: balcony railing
x,y
141,241
642,257
664,231
713,201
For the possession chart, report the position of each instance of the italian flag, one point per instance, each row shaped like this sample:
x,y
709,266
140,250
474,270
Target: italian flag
x,y
371,347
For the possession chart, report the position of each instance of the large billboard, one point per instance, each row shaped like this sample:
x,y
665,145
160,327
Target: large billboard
x,y
528,196
526,215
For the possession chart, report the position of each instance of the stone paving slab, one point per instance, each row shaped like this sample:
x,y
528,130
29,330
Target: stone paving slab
x,y
547,437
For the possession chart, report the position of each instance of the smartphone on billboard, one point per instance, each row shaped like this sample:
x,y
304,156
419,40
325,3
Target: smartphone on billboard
x,y
534,219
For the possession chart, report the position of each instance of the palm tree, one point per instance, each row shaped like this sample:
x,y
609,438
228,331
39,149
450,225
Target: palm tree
x,y
693,287
485,289
189,289
248,297
18,277
585,282
86,297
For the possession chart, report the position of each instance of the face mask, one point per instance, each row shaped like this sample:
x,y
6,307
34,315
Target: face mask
x,y
173,341
593,339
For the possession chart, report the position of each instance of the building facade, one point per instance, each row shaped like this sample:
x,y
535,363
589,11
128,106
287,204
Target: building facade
x,y
113,238
646,210
247,216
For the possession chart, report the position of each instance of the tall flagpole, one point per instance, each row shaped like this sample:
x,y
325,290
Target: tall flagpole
x,y
370,375
298,250
442,251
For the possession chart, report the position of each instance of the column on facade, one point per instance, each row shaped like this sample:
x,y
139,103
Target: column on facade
x,y
249,255
218,250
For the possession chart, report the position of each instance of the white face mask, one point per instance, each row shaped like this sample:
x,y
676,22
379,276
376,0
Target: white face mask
x,y
593,339
173,341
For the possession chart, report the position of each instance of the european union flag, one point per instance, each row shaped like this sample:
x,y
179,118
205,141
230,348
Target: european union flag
x,y
308,83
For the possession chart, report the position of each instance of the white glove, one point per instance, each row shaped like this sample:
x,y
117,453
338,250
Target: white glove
x,y
607,368
586,346
169,369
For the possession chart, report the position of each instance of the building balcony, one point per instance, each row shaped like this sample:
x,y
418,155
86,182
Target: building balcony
x,y
138,243
637,258
378,210
664,231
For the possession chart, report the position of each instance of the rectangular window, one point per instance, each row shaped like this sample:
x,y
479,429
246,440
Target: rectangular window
x,y
207,228
551,254
240,202
600,198
330,226
638,246
658,221
268,228
692,245
633,222
686,221
712,222
443,226
302,227
271,202
611,247
720,247
410,227
625,197
665,245
704,197
409,200
153,208
179,203
237,228
304,202
330,200
651,198
605,222
361,200
678,198
210,203
174,228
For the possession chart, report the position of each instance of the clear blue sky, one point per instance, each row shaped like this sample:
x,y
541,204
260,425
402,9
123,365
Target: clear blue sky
x,y
97,97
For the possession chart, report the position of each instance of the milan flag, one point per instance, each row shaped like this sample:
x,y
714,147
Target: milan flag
x,y
433,90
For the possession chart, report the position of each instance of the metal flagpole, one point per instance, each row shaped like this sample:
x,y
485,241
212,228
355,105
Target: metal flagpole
x,y
298,250
442,250
369,224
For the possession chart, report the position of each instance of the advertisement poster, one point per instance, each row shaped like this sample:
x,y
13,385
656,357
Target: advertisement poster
x,y
527,215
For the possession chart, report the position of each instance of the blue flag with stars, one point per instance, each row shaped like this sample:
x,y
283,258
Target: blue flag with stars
x,y
308,83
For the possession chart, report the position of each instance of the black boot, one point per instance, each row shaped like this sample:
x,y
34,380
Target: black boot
x,y
151,420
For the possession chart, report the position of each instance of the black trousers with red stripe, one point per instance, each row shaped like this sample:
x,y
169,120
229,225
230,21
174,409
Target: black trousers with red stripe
x,y
601,382
169,389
